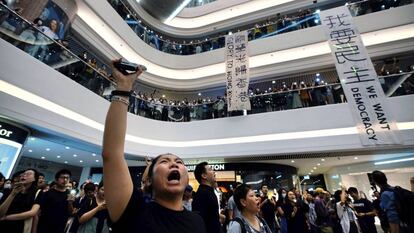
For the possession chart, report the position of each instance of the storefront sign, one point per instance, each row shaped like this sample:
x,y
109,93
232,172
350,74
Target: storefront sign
x,y
359,80
237,71
215,167
12,133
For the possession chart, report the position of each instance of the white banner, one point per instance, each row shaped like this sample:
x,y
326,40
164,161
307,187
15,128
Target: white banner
x,y
359,80
237,72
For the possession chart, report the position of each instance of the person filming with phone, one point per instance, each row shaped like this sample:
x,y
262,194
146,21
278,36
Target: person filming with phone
x,y
166,180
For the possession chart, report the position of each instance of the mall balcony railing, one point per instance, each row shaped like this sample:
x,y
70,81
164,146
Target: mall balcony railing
x,y
35,42
196,3
272,27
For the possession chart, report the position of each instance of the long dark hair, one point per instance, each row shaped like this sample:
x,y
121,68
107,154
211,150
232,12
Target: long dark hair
x,y
149,188
30,194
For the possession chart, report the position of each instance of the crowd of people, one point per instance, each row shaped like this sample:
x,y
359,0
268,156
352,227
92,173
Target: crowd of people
x,y
166,203
280,23
86,70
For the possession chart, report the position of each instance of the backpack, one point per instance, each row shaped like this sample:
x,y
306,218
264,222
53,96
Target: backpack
x,y
404,203
241,223
243,226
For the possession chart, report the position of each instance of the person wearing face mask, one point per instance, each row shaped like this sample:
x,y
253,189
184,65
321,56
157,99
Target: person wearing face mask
x,y
295,213
21,205
281,202
249,206
166,180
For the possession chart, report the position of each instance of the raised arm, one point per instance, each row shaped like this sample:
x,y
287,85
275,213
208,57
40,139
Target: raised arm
x,y
4,207
116,174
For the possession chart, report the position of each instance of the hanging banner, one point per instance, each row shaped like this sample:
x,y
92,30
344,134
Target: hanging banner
x,y
237,72
364,93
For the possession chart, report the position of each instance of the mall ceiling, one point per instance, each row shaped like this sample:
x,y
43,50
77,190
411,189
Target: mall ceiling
x,y
64,150
161,9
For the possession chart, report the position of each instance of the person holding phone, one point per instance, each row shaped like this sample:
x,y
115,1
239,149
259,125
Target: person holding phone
x,y
346,212
166,180
268,207
295,213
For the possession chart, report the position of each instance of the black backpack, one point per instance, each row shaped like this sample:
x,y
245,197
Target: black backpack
x,y
404,203
241,223
243,226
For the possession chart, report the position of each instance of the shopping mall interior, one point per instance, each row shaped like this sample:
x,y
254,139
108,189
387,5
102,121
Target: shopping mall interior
x,y
56,83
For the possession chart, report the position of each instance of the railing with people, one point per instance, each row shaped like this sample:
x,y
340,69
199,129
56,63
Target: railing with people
x,y
271,27
40,42
31,38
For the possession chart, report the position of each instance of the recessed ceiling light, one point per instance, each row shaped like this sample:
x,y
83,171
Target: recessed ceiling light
x,y
66,161
43,157
311,170
81,161
292,161
355,157
318,164
314,168
30,151
97,161
47,149
93,154
323,160
58,156
310,173
75,155
67,148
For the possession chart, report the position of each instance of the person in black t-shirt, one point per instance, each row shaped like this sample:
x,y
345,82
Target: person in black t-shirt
x,y
93,214
56,205
365,211
21,203
268,208
167,178
205,200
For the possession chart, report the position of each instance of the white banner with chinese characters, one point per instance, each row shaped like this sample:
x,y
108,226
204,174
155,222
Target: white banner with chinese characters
x,y
359,80
237,72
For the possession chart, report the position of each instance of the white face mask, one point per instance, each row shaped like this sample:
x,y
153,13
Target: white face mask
x,y
283,195
7,186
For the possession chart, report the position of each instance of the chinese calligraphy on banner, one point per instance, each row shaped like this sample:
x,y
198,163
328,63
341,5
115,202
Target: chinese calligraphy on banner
x,y
237,72
359,80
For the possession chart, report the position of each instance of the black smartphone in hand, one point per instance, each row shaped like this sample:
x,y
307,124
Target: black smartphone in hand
x,y
126,67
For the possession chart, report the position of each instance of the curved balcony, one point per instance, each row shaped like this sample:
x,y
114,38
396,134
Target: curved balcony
x,y
263,29
303,92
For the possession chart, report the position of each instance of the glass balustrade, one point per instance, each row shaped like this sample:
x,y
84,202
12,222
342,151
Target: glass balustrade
x,y
35,42
273,26
41,43
196,3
